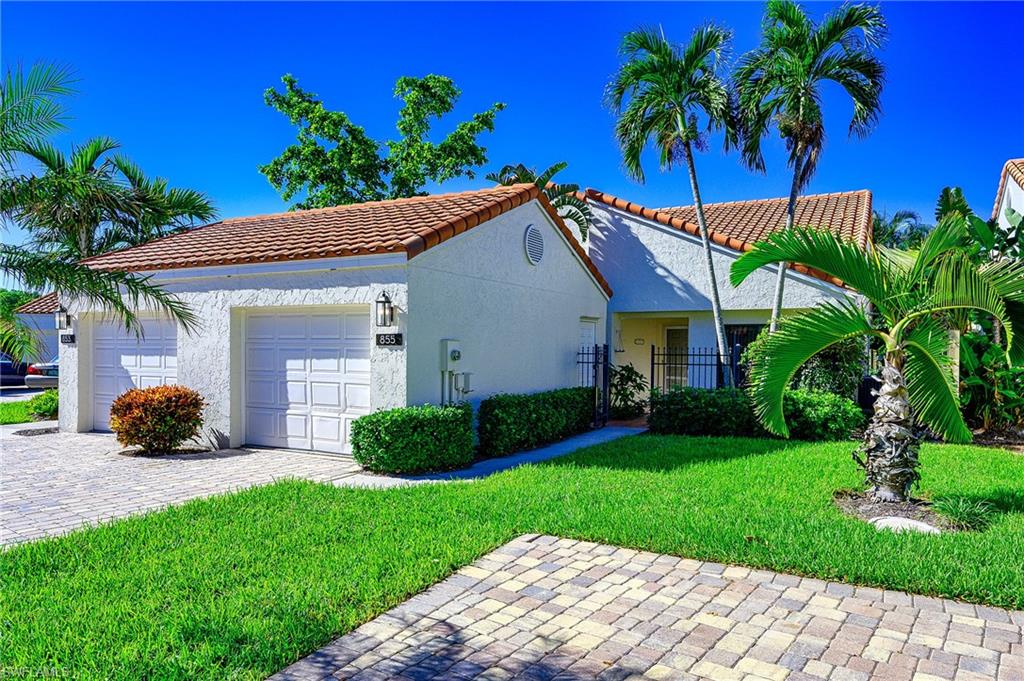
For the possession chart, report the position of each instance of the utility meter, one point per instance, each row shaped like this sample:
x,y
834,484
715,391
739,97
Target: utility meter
x,y
451,354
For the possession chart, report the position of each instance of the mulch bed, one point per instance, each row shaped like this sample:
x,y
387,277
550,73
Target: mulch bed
x,y
152,455
28,432
1008,439
860,506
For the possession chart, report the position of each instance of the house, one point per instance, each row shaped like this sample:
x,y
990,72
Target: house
x,y
654,260
37,315
308,319
1010,193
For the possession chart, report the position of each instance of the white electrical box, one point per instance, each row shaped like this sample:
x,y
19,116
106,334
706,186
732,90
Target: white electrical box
x,y
451,355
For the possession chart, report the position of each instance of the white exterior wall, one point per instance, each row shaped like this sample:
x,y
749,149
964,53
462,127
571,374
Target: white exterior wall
x,y
518,323
1013,197
653,268
42,326
210,358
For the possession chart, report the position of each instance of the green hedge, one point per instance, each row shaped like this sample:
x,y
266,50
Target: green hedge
x,y
694,411
414,439
511,423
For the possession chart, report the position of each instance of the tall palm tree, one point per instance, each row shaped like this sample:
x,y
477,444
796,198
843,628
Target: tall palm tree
x,y
781,82
30,108
918,297
902,229
673,96
562,195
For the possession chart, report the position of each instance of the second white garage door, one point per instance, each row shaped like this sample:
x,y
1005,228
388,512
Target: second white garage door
x,y
122,360
307,377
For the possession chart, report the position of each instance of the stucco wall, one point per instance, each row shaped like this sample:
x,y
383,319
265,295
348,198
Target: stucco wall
x,y
655,268
518,323
209,357
42,326
1013,197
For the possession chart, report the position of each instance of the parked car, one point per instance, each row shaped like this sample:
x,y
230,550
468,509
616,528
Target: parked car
x,y
12,372
42,375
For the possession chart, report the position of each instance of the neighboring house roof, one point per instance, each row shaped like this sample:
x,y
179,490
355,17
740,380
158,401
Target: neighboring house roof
x,y
740,224
1014,168
44,304
410,225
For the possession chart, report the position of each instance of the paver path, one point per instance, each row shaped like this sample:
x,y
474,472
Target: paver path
x,y
52,484
542,607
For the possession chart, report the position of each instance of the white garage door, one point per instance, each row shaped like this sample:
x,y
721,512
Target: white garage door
x,y
307,377
122,361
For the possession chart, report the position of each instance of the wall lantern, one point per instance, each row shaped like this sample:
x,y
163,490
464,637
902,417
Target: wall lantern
x,y
385,310
62,320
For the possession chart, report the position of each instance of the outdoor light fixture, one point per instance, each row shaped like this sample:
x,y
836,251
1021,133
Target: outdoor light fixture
x,y
385,310
62,320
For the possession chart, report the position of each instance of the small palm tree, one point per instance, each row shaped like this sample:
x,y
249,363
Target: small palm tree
x,y
780,82
918,297
562,196
661,93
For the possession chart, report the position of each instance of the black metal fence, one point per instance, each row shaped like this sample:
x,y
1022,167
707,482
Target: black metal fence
x,y
592,370
694,368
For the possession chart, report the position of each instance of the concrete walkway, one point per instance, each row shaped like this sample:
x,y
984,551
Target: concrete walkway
x,y
542,607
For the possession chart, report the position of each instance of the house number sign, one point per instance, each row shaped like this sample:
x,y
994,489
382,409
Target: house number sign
x,y
389,339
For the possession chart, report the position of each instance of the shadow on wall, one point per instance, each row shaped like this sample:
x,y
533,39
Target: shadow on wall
x,y
640,281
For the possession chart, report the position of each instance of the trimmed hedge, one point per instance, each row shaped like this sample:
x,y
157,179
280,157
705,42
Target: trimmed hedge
x,y
44,405
414,439
694,411
512,423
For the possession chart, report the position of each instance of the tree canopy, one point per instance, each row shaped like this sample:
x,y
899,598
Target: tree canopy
x,y
334,161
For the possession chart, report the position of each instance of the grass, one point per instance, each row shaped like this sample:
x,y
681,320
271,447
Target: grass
x,y
241,585
14,412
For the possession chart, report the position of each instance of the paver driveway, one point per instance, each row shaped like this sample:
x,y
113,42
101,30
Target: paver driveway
x,y
542,607
51,484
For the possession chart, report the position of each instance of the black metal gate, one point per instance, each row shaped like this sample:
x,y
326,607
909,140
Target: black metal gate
x,y
592,369
694,368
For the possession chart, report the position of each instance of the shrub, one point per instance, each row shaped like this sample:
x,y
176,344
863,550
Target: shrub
x,y
695,411
157,419
627,388
511,423
837,369
965,514
414,439
44,405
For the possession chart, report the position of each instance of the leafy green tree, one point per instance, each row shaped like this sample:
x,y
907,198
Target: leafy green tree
x,y
674,96
917,297
12,299
334,162
562,195
902,229
31,107
780,82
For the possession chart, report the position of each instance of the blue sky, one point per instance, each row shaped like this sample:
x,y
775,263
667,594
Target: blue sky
x,y
180,85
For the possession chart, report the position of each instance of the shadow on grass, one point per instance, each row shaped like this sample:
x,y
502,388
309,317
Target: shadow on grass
x,y
1000,500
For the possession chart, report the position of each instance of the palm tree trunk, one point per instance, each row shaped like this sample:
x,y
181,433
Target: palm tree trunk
x,y
709,266
780,278
890,446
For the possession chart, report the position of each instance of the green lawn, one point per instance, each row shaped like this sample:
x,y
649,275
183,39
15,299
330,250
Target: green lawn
x,y
239,586
14,412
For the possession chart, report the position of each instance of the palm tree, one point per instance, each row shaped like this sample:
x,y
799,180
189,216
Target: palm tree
x,y
917,297
781,82
660,94
902,229
562,196
30,108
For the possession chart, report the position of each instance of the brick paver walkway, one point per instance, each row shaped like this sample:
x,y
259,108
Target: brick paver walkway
x,y
51,484
542,607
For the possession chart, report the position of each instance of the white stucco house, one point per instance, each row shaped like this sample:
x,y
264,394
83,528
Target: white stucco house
x,y
654,261
288,348
37,315
1010,193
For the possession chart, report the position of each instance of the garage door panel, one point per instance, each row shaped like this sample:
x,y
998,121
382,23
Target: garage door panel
x,y
322,377
122,361
260,326
261,422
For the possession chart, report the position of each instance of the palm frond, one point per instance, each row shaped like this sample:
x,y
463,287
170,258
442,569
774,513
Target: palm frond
x,y
931,388
30,106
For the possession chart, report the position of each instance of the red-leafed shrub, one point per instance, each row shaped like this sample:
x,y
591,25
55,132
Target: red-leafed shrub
x,y
157,419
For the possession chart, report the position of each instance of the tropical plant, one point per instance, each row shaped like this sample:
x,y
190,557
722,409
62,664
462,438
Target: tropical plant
x,y
626,387
991,391
902,229
562,196
335,162
674,96
837,369
29,108
917,297
780,82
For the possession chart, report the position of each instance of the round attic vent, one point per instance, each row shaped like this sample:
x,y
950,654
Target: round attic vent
x,y
533,241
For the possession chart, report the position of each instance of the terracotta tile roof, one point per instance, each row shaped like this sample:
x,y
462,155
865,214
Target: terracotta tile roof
x,y
44,304
402,225
1013,168
741,224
